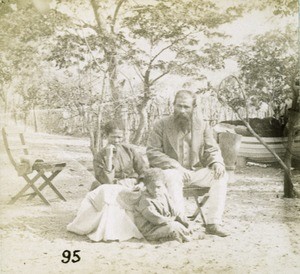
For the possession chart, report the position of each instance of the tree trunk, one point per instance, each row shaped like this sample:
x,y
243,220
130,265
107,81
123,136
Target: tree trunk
x,y
25,119
112,73
98,141
142,108
110,53
34,119
143,122
293,120
94,129
289,191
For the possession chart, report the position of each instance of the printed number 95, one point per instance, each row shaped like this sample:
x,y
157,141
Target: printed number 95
x,y
68,255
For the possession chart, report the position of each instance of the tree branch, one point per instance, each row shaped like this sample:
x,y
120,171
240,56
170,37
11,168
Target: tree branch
x,y
116,15
157,78
286,169
130,84
167,47
90,51
138,72
95,10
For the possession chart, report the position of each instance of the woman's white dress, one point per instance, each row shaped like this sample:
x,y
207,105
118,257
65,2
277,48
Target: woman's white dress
x,y
106,213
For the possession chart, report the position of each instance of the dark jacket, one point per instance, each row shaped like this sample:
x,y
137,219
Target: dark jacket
x,y
127,163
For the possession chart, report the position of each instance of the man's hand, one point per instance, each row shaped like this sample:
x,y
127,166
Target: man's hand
x,y
219,170
187,179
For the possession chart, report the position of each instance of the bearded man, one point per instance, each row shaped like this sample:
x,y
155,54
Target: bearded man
x,y
184,147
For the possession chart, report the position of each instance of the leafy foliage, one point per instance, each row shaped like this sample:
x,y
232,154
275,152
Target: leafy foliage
x,y
127,48
268,69
24,45
280,7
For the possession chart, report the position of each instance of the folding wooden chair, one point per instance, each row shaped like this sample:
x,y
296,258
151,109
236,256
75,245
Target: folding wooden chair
x,y
197,192
26,170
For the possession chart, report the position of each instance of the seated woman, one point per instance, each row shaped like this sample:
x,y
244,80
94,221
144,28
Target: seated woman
x,y
106,213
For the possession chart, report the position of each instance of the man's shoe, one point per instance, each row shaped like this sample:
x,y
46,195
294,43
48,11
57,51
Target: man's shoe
x,y
216,230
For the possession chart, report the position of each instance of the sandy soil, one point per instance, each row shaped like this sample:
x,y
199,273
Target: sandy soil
x,y
265,227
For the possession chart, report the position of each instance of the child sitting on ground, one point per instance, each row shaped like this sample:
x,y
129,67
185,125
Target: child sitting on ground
x,y
156,217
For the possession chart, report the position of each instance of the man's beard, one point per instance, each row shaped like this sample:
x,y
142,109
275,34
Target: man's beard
x,y
183,121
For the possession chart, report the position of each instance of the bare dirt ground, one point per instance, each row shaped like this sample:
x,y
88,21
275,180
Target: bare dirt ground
x,y
265,227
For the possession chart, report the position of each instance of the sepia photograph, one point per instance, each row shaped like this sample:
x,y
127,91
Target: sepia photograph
x,y
149,136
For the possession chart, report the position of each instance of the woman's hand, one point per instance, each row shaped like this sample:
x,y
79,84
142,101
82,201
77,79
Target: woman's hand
x,y
110,149
109,156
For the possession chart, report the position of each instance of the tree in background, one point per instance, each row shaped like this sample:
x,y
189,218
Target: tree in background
x,y
269,68
25,39
279,7
232,92
92,48
173,44
27,52
114,59
269,72
164,31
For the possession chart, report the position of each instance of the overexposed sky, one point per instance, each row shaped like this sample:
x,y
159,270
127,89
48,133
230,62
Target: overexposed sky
x,y
254,23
